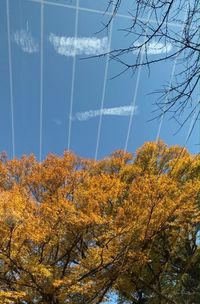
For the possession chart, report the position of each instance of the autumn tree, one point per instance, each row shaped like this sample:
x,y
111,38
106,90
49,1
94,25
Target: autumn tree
x,y
75,230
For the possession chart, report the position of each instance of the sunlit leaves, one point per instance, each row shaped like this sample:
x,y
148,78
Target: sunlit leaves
x,y
73,230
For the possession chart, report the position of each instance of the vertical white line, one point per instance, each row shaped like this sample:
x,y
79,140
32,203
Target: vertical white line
x,y
41,75
73,75
135,94
10,79
171,79
165,103
103,91
191,126
133,104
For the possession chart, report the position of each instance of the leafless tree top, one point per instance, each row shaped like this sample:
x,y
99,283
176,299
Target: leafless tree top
x,y
172,29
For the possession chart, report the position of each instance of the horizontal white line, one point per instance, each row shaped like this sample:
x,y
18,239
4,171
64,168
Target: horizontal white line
x,y
90,10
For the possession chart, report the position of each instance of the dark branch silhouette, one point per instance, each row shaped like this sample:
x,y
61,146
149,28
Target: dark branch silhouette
x,y
173,36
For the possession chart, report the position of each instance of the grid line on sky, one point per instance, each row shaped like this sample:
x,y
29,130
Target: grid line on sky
x,y
10,78
104,90
170,83
191,126
73,77
165,102
193,119
41,74
136,92
133,104
97,11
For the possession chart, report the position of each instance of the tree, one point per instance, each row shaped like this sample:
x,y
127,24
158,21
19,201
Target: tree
x,y
74,230
180,44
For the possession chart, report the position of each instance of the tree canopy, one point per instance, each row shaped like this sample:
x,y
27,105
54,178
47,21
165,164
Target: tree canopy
x,y
74,230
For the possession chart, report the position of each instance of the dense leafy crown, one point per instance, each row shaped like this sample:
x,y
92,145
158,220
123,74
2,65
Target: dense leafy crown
x,y
76,231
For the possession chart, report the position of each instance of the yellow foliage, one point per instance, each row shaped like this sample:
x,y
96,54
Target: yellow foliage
x,y
71,230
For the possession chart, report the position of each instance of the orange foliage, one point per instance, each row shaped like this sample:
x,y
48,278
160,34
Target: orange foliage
x,y
72,230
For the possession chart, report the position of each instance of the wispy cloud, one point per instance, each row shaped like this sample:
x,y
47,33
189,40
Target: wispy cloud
x,y
118,111
57,121
71,46
155,48
24,39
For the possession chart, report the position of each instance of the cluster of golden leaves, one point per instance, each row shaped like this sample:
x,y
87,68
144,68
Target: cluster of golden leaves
x,y
72,230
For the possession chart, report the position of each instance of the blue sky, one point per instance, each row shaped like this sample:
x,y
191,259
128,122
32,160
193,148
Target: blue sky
x,y
51,99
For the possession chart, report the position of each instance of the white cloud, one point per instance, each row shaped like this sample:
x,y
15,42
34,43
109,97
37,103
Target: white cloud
x,y
154,48
25,40
71,46
118,111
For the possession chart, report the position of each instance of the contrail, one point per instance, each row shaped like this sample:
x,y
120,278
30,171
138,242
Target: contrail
x,y
117,111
